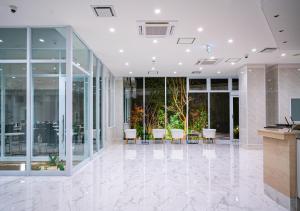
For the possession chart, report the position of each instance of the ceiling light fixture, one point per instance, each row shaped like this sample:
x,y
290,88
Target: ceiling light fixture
x,y
121,51
219,72
175,72
157,11
212,57
13,77
283,54
188,50
155,41
130,72
200,29
153,58
126,64
254,50
41,40
153,68
232,63
112,29
230,41
179,63
1,40
200,68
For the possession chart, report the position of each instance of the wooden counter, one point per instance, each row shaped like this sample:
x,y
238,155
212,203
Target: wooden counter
x,y
280,160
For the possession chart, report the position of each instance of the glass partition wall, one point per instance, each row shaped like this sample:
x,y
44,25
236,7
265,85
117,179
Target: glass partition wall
x,y
50,120
190,104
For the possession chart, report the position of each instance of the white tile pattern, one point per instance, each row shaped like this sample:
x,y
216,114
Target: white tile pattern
x,y
130,177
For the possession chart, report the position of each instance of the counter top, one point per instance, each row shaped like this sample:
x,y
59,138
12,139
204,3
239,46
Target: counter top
x,y
280,134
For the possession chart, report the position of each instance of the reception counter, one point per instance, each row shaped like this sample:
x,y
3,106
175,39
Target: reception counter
x,y
280,165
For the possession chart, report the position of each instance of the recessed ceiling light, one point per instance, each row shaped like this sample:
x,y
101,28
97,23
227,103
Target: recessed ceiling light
x,y
188,50
283,54
175,72
212,57
179,63
1,40
200,68
41,40
121,51
157,11
13,77
153,68
155,41
254,50
112,29
200,29
230,41
126,64
232,63
153,58
219,72
130,72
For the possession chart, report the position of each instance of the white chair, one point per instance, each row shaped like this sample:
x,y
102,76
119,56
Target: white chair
x,y
159,134
209,134
130,134
177,134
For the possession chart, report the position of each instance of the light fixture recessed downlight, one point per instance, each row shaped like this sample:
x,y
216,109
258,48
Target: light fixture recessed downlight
x,y
200,29
180,63
130,72
153,68
126,63
283,54
175,72
121,51
41,40
111,29
253,50
232,63
200,68
187,50
155,41
212,57
1,40
219,72
153,58
157,11
230,41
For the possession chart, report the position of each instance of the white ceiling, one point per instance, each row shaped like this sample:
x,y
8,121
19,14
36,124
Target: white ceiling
x,y
240,20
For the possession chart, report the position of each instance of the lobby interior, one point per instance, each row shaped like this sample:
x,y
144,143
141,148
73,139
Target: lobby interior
x,y
149,105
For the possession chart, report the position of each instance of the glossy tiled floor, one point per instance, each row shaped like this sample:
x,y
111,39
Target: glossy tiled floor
x,y
149,177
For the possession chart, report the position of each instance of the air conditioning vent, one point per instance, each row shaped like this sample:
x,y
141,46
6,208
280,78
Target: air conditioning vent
x,y
235,60
197,72
268,50
208,61
186,40
156,28
152,72
104,11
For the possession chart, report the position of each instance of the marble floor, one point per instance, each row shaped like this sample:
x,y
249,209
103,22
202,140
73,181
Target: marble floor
x,y
149,177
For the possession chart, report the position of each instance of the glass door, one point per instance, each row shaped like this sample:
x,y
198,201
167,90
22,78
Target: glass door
x,y
48,91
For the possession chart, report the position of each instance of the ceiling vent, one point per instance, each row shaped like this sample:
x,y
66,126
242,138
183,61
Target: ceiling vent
x,y
186,40
152,72
234,60
208,61
156,28
197,72
104,11
268,50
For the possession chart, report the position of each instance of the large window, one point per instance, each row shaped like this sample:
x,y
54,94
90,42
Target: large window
x,y
48,43
154,105
111,100
13,43
198,112
13,116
